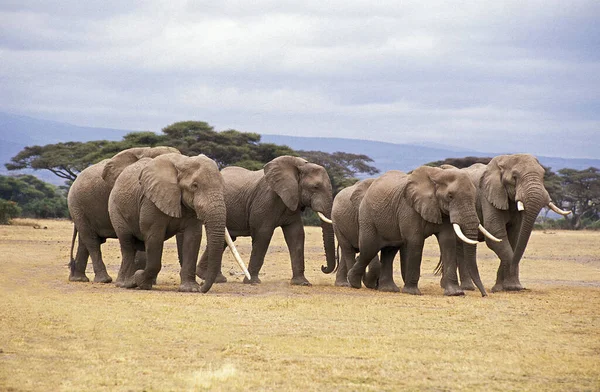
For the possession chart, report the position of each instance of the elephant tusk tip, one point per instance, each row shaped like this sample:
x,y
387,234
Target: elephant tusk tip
x,y
520,206
324,218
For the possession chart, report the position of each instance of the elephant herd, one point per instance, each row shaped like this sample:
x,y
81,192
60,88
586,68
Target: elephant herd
x,y
144,196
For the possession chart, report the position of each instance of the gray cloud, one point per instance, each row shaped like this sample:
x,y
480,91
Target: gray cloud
x,y
491,76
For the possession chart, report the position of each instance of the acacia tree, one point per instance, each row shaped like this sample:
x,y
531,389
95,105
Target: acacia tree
x,y
581,194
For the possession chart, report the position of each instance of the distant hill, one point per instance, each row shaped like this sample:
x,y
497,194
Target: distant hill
x,y
388,156
17,132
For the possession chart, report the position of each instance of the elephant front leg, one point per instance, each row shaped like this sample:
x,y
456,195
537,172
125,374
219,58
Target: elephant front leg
x,y
504,251
347,257
466,283
414,255
128,264
294,238
190,245
447,243
260,243
386,280
145,278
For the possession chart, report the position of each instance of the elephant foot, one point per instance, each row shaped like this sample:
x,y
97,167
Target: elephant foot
x,y
190,287
453,291
253,280
220,278
371,280
78,277
497,287
142,281
102,277
390,287
300,281
354,278
512,286
342,283
413,290
468,286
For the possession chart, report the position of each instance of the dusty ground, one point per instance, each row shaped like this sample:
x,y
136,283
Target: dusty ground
x,y
56,335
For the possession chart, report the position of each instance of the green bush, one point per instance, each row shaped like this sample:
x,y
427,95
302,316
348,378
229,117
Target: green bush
x,y
8,210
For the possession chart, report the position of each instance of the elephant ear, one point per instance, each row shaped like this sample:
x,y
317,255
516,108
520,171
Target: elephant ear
x,y
115,166
159,184
283,176
420,192
491,184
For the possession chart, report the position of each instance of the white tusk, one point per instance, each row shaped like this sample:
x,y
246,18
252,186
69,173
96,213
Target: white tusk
x,y
520,206
488,234
460,235
236,255
554,208
324,218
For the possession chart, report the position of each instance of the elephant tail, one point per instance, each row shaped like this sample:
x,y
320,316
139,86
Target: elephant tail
x,y
438,267
72,261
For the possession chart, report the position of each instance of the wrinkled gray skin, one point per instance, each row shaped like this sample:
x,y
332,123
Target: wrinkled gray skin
x,y
501,183
88,206
400,210
345,226
153,200
260,201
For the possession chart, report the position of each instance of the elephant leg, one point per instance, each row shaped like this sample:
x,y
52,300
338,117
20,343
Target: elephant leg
x,y
190,244
294,238
447,242
371,277
260,243
466,283
78,265
386,280
368,251
154,248
414,255
92,243
203,266
511,278
403,261
128,262
504,251
347,258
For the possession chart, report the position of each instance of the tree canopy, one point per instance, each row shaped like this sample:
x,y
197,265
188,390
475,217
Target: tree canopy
x,y
33,197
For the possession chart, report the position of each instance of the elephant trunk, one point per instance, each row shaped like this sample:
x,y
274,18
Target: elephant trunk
x,y
535,197
329,245
469,224
215,238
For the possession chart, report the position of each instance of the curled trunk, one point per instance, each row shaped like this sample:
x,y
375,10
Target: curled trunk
x,y
470,258
329,245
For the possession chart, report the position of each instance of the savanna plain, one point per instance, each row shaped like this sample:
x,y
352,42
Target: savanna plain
x,y
57,335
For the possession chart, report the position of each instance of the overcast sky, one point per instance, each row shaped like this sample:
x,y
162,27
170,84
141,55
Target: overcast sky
x,y
493,76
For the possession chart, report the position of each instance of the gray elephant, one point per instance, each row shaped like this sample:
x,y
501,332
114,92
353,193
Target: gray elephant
x,y
344,215
511,194
400,210
88,206
260,201
153,200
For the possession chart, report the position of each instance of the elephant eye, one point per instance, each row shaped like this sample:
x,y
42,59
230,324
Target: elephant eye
x,y
450,196
194,186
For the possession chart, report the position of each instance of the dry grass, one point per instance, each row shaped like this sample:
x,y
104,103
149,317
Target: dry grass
x,y
56,335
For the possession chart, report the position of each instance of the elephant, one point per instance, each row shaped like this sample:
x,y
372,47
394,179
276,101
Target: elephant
x,y
344,215
153,200
260,201
400,210
88,206
511,194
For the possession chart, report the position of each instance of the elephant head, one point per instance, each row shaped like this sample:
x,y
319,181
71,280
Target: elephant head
x,y
516,182
301,184
174,182
120,161
434,192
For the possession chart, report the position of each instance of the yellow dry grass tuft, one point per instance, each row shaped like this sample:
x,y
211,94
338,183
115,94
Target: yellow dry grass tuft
x,y
56,335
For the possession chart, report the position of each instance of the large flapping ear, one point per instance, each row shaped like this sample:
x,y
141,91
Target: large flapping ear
x,y
115,166
420,193
283,177
360,190
159,184
491,183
